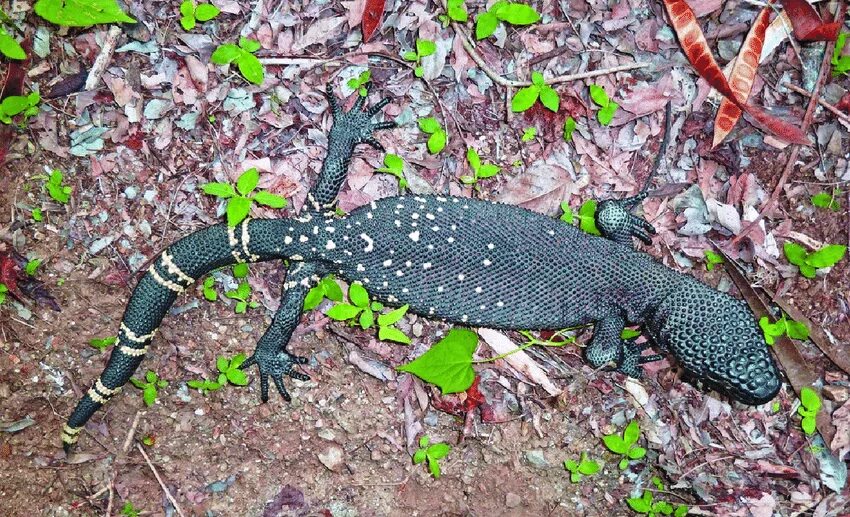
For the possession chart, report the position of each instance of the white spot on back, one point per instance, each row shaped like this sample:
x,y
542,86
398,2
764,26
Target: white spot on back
x,y
414,236
369,242
330,245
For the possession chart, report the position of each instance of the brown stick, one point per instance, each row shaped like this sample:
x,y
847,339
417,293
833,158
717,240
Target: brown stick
x,y
835,111
161,483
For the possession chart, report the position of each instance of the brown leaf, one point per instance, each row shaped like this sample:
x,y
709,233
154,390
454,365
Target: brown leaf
x,y
373,12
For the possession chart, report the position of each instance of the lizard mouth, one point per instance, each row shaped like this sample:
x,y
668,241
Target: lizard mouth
x,y
756,389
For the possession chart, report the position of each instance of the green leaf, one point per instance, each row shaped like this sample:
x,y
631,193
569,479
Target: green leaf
x,y
448,364
358,296
419,71
240,307
797,330
636,453
569,128
567,216
598,95
187,8
770,330
410,56
10,47
393,334
437,142
807,270
485,25
518,14
37,216
313,298
332,289
248,181
222,363
237,377
639,504
809,398
206,12
549,98
425,47
226,53
588,468
826,256
419,456
237,210
524,98
149,395
249,45
615,444
424,441
795,253
393,317
826,200
631,433
264,197
488,171
81,13
571,465
473,159
151,376
251,68
587,219
712,259
243,290
809,425
429,125
681,511
606,114
439,451
367,318
31,266
14,104
342,312
394,162
223,190
434,467
240,270
629,333
529,134
456,11
188,22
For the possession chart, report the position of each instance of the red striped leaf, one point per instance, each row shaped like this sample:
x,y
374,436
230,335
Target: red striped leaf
x,y
373,12
807,23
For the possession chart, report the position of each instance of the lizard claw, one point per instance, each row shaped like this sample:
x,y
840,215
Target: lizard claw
x,y
632,360
616,222
356,125
275,365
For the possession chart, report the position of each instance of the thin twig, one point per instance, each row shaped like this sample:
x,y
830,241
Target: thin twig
x,y
159,479
128,441
837,112
102,60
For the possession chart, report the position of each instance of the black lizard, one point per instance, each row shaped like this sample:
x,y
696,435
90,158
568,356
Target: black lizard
x,y
464,261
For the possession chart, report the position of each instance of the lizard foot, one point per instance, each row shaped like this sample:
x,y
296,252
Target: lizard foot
x,y
356,125
275,364
616,222
632,360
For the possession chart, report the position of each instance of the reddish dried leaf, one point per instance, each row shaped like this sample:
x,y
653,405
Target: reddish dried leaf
x,y
807,23
68,85
373,12
696,49
12,83
743,75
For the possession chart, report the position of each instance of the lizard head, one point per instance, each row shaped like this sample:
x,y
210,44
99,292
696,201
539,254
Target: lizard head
x,y
716,339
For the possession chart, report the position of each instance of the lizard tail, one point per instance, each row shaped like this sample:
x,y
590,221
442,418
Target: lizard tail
x,y
169,275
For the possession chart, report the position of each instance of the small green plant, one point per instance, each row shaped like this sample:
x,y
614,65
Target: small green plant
x,y
14,105
480,171
809,406
326,288
10,47
81,13
359,83
243,55
240,270
208,289
362,312
37,216
647,505
393,164
190,14
569,128
59,192
242,295
782,327
508,12
239,200
607,105
586,216
625,445
827,200
584,467
448,363
840,64
386,330
529,134
809,263
437,140
455,12
101,343
3,291
128,510
31,266
432,454
712,259
526,97
228,372
149,386
424,48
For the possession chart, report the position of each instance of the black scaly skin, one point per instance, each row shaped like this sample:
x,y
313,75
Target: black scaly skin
x,y
476,263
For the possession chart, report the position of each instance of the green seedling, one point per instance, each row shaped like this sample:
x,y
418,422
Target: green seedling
x,y
607,105
526,97
243,55
14,105
37,216
3,291
228,372
586,216
359,83
242,295
448,363
809,263
569,128
840,63
508,12
647,505
326,288
438,139
529,134
240,270
81,13
455,12
810,404
783,327
625,445
57,191
480,171
208,289
190,14
393,164
712,259
584,467
101,343
31,266
149,386
149,440
424,48
240,199
827,200
432,454
362,312
128,510
386,329
10,47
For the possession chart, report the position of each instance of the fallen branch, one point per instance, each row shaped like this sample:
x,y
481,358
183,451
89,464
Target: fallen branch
x,y
103,59
159,479
835,111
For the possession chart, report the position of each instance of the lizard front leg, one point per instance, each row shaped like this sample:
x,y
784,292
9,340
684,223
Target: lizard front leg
x,y
616,221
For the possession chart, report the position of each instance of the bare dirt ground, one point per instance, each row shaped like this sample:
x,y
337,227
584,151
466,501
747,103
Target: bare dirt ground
x,y
343,446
